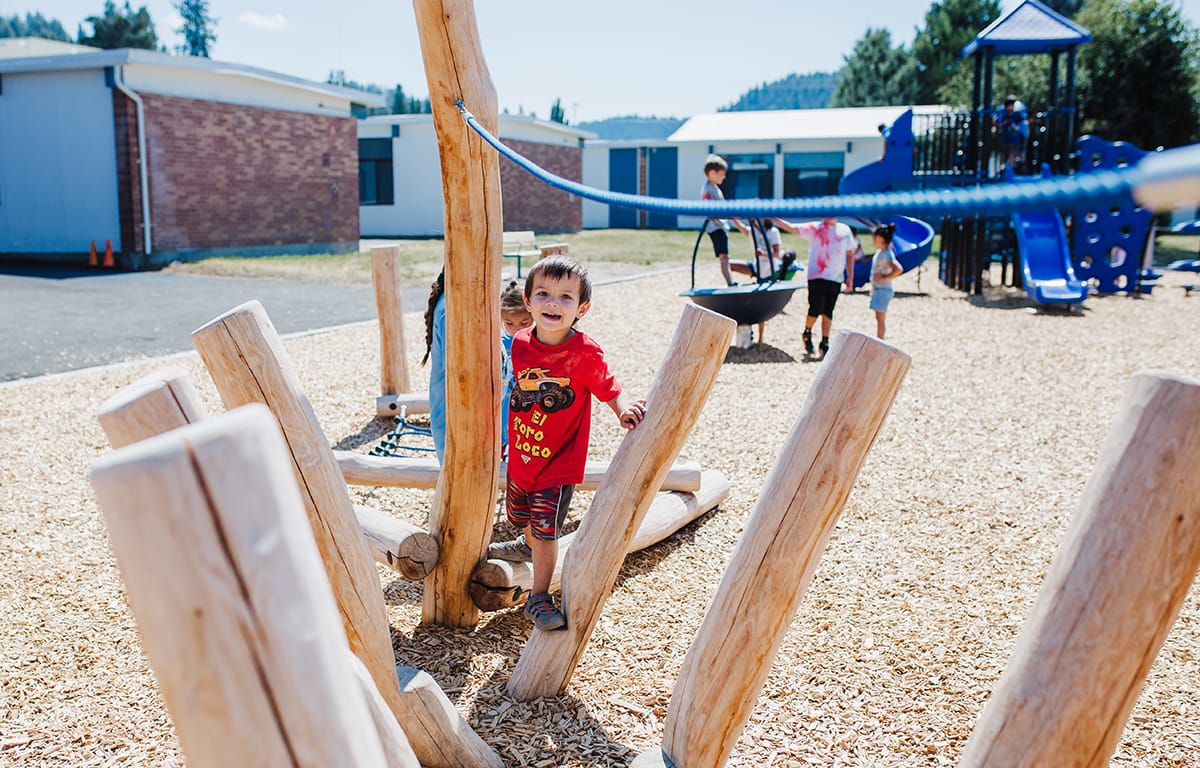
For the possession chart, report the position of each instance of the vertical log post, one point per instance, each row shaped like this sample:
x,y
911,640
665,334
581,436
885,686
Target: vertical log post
x,y
590,569
389,306
777,555
1111,594
232,604
157,403
248,364
461,518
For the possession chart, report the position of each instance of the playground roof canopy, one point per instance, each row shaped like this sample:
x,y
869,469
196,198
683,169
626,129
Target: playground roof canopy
x,y
1029,28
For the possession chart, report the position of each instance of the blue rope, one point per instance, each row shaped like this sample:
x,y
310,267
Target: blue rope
x,y
1110,186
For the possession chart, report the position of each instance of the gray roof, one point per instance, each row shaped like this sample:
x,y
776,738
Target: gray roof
x,y
1029,28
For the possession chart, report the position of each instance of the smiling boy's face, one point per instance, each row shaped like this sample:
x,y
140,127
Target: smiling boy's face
x,y
554,304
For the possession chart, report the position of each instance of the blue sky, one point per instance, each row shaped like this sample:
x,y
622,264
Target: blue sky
x,y
660,57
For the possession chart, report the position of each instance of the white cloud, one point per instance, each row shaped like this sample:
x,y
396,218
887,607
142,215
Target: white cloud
x,y
174,21
274,23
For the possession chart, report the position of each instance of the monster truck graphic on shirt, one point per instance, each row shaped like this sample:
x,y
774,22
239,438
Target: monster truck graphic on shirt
x,y
534,386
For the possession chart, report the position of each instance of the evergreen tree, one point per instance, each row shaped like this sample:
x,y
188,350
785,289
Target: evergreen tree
x,y
1066,8
949,25
399,103
557,114
34,25
876,74
198,34
124,29
1139,73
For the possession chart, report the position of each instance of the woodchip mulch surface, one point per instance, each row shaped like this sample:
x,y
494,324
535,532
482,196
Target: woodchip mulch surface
x,y
901,635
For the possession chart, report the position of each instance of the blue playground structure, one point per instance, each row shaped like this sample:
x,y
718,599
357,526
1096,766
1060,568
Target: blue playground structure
x,y
1057,256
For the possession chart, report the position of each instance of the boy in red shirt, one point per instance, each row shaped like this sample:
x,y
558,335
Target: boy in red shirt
x,y
556,369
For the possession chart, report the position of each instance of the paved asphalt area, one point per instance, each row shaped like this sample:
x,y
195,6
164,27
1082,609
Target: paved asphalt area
x,y
61,319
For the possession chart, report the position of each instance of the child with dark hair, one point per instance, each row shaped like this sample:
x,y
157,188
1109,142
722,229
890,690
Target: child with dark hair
x,y
557,369
884,269
435,355
715,169
514,316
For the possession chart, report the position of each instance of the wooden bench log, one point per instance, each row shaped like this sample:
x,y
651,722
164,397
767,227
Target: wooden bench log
x,y
401,472
398,544
775,559
1111,594
248,364
461,517
410,402
220,616
389,307
497,584
680,389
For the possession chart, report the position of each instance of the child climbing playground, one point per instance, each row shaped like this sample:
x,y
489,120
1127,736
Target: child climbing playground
x,y
557,368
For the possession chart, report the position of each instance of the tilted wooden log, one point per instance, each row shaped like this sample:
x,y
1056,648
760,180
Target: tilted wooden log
x,y
232,603
1112,593
777,555
396,749
166,400
402,472
590,569
411,402
246,359
497,584
389,307
157,403
398,544
461,518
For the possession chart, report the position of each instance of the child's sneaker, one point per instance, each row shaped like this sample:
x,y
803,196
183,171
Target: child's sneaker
x,y
824,347
545,616
808,346
515,551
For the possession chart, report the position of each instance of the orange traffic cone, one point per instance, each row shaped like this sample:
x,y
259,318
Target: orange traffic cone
x,y
108,254
92,260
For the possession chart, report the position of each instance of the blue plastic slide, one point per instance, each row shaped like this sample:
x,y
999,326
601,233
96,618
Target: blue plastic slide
x,y
1046,259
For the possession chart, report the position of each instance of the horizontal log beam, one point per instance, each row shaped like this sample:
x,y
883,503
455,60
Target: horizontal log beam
x,y
400,472
411,402
398,544
497,584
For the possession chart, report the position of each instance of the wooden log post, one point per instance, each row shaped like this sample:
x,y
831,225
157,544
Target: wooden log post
x,y
777,555
461,518
404,472
232,603
166,400
680,389
498,584
246,359
389,307
1112,593
157,403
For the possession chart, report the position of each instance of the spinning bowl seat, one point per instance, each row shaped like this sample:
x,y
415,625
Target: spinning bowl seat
x,y
745,304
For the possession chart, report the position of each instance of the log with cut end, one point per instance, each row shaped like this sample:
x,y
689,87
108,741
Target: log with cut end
x,y
223,578
246,359
1111,595
409,402
157,403
389,307
398,544
403,472
497,584
805,492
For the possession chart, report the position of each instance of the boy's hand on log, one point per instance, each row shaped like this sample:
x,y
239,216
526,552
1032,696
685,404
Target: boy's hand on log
x,y
633,415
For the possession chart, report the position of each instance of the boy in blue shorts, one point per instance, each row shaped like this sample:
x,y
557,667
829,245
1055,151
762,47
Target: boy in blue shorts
x,y
556,370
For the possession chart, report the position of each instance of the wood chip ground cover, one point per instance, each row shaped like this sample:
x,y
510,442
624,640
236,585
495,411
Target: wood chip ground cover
x,y
904,630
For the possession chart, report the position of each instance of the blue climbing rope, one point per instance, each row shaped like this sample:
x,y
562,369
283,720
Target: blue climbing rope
x,y
1110,187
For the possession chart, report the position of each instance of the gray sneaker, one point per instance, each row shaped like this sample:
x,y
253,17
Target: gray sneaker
x,y
515,551
546,617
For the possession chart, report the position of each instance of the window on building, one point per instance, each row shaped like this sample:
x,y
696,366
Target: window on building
x,y
806,174
375,172
749,176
